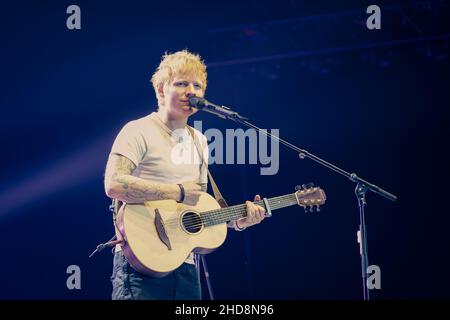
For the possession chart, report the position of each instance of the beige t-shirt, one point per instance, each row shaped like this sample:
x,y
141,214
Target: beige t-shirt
x,y
162,155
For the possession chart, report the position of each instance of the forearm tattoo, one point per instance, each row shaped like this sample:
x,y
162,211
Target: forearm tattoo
x,y
120,184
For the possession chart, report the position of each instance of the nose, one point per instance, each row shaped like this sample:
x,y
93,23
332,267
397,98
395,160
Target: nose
x,y
190,91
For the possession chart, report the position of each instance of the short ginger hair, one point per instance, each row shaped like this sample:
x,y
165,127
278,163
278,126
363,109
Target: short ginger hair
x,y
180,62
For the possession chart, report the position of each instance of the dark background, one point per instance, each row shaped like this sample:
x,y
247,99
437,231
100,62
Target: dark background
x,y
374,102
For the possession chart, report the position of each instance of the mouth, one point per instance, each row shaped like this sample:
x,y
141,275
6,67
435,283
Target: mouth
x,y
186,104
186,107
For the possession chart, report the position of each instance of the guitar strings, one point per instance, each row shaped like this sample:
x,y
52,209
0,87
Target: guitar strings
x,y
234,212
209,217
231,213
285,201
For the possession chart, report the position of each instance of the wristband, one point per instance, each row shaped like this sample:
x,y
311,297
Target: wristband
x,y
237,228
182,193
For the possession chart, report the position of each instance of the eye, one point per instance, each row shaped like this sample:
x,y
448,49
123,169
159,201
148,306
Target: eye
x,y
181,84
197,86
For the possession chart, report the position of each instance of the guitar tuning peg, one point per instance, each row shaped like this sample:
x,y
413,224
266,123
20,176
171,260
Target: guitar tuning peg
x,y
298,188
306,209
311,208
317,208
304,186
310,185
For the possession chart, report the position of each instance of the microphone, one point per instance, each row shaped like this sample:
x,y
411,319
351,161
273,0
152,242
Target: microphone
x,y
220,111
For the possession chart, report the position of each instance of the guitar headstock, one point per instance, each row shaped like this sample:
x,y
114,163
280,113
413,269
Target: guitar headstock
x,y
310,197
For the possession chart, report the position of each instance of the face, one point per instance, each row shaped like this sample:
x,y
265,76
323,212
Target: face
x,y
177,92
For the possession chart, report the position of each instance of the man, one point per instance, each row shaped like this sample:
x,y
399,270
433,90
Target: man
x,y
141,168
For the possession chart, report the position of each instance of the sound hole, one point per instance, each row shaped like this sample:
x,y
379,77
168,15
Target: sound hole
x,y
192,222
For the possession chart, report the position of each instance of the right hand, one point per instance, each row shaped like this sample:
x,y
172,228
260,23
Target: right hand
x,y
192,191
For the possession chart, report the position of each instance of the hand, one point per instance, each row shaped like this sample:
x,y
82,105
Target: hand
x,y
192,192
255,214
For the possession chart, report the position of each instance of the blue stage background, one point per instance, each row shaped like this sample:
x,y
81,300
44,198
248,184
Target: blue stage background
x,y
374,102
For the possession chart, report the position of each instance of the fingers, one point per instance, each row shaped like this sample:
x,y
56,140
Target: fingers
x,y
255,214
260,213
251,212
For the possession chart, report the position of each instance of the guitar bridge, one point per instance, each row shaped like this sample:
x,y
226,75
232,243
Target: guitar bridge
x,y
161,230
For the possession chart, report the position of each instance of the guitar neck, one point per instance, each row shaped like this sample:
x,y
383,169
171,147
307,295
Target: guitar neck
x,y
218,216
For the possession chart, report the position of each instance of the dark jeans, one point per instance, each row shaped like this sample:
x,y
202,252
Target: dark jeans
x,y
128,284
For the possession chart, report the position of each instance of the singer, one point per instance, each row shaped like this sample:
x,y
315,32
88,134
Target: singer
x,y
140,169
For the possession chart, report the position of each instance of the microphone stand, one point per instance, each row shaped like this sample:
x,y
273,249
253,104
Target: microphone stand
x,y
360,190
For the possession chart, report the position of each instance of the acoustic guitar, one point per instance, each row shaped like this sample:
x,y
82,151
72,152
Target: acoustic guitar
x,y
159,235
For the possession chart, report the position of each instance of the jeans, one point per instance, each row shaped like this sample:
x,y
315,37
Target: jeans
x,y
128,284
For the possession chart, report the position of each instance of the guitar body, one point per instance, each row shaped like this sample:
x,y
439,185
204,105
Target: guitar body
x,y
160,235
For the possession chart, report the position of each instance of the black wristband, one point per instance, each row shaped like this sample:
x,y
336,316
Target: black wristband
x,y
182,193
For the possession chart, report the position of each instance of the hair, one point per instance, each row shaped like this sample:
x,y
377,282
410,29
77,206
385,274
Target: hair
x,y
178,63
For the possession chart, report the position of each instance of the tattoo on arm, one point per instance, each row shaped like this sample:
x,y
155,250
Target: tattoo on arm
x,y
120,184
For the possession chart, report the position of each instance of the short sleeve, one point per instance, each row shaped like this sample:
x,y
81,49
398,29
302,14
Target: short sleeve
x,y
130,143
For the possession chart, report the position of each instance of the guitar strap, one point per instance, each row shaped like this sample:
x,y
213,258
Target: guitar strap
x,y
219,198
223,204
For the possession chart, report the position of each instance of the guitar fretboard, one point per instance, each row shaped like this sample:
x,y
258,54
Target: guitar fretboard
x,y
218,216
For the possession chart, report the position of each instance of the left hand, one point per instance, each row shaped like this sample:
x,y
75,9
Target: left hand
x,y
255,214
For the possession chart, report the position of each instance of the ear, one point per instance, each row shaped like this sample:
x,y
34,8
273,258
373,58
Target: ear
x,y
161,90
